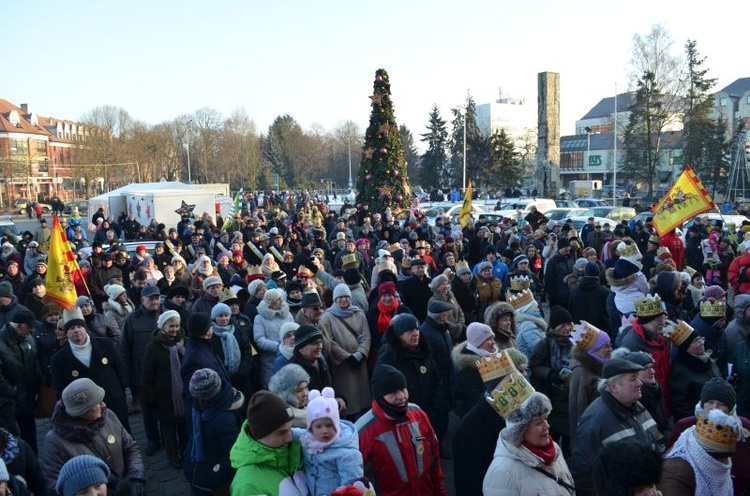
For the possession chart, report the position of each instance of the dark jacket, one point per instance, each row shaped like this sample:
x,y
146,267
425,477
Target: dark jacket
x,y
136,334
19,370
467,298
240,379
200,354
105,369
441,345
546,379
558,291
156,377
320,373
652,397
687,376
416,293
466,383
588,302
204,304
377,339
23,463
716,341
8,311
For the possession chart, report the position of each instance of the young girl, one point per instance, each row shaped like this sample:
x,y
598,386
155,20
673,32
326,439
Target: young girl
x,y
330,447
710,248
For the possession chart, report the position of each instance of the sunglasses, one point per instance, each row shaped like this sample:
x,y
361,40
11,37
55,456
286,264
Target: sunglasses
x,y
302,277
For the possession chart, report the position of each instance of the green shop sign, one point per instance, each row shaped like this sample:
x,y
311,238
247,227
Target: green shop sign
x,y
595,160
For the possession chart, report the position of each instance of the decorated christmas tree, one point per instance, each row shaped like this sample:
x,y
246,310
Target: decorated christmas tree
x,y
382,180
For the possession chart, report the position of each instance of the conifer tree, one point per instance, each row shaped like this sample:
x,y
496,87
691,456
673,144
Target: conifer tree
x,y
382,181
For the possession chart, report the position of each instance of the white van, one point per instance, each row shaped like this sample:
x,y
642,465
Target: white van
x,y
508,209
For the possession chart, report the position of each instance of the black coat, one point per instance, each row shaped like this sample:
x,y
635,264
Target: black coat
x,y
156,379
137,330
19,370
687,376
105,369
241,378
200,354
557,289
467,298
416,293
23,463
588,302
376,339
441,346
320,376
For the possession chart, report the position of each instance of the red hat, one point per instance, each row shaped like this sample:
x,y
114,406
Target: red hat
x,y
361,241
141,248
386,287
236,252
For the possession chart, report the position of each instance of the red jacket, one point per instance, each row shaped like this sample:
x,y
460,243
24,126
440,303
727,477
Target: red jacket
x,y
676,248
734,271
415,470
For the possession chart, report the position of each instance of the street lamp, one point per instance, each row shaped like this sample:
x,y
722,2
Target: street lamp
x,y
349,148
588,152
187,147
466,114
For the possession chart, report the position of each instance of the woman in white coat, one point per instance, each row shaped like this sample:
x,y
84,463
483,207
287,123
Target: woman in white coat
x,y
273,312
525,448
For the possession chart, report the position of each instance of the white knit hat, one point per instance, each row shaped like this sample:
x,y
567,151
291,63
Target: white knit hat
x,y
254,285
273,295
114,290
163,318
323,405
341,290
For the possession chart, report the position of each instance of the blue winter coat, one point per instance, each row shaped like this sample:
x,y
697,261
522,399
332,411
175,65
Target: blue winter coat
x,y
336,465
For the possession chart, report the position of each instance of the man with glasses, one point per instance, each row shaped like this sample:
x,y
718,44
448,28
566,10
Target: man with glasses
x,y
311,309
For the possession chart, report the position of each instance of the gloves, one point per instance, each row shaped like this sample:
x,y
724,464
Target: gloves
x,y
311,266
138,486
564,374
351,360
359,356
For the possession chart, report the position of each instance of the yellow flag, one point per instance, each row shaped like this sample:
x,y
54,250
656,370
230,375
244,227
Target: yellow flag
x,y
62,268
465,215
686,199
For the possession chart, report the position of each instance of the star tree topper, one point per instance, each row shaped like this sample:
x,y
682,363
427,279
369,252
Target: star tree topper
x,y
185,209
385,190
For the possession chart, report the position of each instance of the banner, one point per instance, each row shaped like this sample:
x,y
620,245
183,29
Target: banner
x,y
62,268
232,211
465,215
686,199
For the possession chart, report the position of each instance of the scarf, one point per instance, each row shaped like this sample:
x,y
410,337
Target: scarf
x,y
343,313
547,453
83,352
477,351
120,309
314,446
559,351
712,477
385,314
10,451
176,351
230,347
393,411
206,271
659,352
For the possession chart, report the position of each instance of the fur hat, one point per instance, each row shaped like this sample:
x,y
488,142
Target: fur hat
x,y
255,285
515,424
625,466
266,412
284,382
437,281
80,396
273,295
323,404
73,317
79,473
114,291
341,290
211,281
166,316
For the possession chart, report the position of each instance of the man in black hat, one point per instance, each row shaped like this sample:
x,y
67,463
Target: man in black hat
x,y
436,333
416,289
559,266
311,309
615,415
399,448
100,277
19,370
308,354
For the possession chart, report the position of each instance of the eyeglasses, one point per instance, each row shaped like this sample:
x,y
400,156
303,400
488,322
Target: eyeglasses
x,y
302,277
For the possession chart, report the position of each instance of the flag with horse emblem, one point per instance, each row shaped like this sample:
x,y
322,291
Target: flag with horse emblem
x,y
62,268
686,199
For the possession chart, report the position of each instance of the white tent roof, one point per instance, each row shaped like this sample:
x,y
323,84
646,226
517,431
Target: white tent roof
x,y
167,186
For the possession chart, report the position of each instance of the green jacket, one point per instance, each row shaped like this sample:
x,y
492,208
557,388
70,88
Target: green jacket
x,y
261,469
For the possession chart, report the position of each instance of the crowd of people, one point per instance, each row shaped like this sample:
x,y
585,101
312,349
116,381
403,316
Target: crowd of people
x,y
299,349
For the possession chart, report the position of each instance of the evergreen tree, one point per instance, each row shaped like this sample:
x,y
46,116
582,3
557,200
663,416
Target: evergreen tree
x,y
698,131
503,167
382,181
717,153
432,172
411,155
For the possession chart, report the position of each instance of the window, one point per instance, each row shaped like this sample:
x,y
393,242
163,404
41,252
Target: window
x,y
19,147
723,101
747,99
41,148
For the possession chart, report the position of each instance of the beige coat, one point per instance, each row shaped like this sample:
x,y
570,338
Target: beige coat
x,y
352,382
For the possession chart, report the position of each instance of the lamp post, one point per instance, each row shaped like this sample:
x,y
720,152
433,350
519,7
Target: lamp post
x,y
187,147
349,149
466,113
588,152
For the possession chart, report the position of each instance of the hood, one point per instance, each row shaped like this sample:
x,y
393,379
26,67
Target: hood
x,y
535,319
269,314
11,305
740,304
590,282
463,358
580,358
619,283
285,381
247,451
497,309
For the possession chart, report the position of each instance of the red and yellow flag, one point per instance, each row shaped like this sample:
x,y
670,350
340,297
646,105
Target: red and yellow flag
x,y
686,199
62,268
465,215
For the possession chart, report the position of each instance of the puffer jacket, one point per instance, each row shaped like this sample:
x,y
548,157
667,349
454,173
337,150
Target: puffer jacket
x,y
266,329
739,329
106,439
531,327
627,290
401,457
336,465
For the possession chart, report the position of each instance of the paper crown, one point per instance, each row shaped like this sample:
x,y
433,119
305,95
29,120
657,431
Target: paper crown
x,y
510,394
715,308
649,306
519,283
679,333
349,260
519,300
495,366
393,247
305,271
663,253
463,264
691,271
254,270
383,266
585,335
227,295
420,244
629,251
717,432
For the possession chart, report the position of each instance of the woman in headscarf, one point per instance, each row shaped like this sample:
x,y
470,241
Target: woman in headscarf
x,y
202,270
153,274
162,383
345,327
290,384
269,266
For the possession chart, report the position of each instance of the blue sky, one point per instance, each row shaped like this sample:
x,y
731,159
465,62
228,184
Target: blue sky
x,y
316,60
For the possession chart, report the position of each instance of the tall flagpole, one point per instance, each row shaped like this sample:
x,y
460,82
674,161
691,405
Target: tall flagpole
x,y
614,156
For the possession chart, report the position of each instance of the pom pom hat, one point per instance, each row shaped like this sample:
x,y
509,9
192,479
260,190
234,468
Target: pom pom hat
x,y
323,404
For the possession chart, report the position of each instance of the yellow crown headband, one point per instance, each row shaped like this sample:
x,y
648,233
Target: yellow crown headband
x,y
649,306
520,283
716,308
510,394
495,366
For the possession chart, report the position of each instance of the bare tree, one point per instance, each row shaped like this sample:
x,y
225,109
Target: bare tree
x,y
208,123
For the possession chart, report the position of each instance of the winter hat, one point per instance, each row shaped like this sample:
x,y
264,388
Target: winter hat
x,y
254,286
205,384
323,404
6,290
51,308
484,266
305,335
590,339
387,287
114,290
623,268
623,467
80,396
198,324
437,281
341,290
718,389
629,252
617,366
717,432
84,300
79,473
211,281
591,270
386,379
436,307
286,328
558,316
220,308
715,292
292,286
273,295
73,317
310,299
352,276
462,268
477,333
667,282
24,316
580,264
639,357
266,412
166,316
402,323
284,382
150,291
562,242
519,259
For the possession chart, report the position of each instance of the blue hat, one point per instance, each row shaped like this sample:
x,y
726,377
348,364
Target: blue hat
x,y
623,268
219,309
79,473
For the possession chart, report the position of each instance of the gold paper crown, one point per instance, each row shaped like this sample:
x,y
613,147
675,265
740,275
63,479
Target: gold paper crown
x,y
393,247
254,270
716,308
627,251
717,432
420,244
463,264
510,394
680,333
495,366
663,253
649,306
304,270
691,271
585,335
519,300
519,283
226,295
349,260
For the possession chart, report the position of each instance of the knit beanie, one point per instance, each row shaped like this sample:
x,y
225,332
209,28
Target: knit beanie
x,y
402,323
166,316
266,412
23,316
322,404
286,328
386,379
79,473
6,290
387,287
198,324
114,290
254,286
205,384
719,389
305,335
73,317
591,270
477,333
211,281
558,316
341,290
580,264
437,281
436,307
623,268
220,308
51,308
273,295
80,396
84,300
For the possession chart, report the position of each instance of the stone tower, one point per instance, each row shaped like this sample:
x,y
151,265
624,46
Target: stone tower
x,y
548,145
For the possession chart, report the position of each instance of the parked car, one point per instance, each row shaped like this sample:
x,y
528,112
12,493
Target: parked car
x,y
129,245
733,220
19,207
579,222
592,202
451,211
83,207
566,204
7,226
561,213
541,204
616,214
